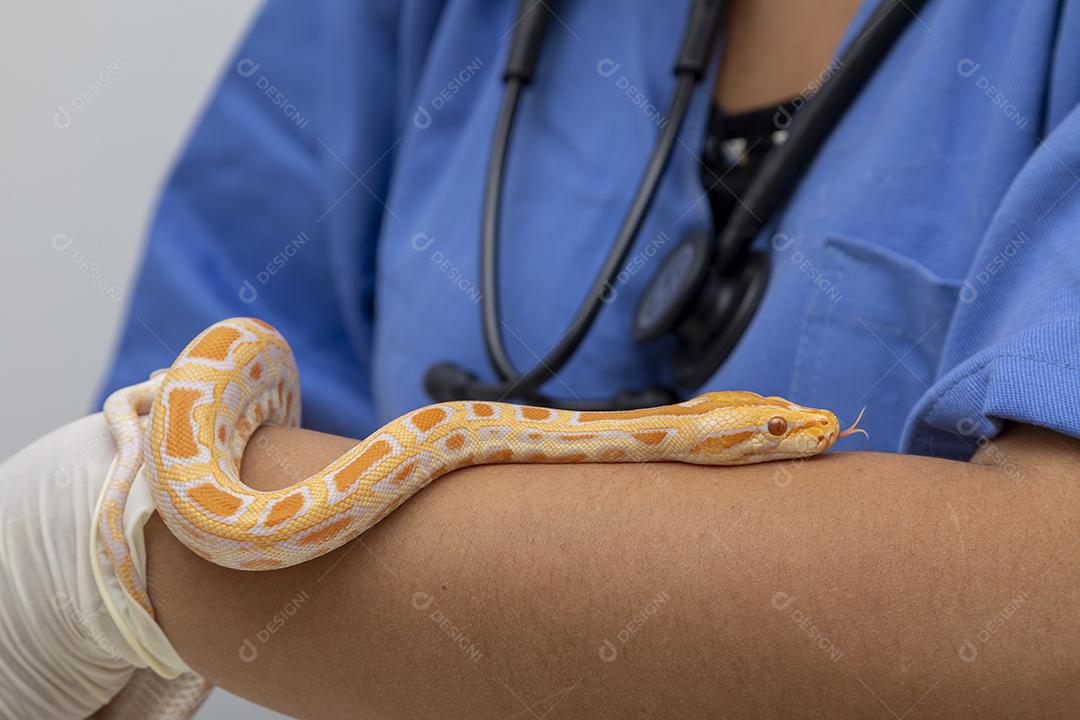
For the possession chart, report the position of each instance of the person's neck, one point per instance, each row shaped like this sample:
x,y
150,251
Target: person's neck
x,y
774,49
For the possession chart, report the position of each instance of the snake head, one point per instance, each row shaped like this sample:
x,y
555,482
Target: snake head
x,y
744,428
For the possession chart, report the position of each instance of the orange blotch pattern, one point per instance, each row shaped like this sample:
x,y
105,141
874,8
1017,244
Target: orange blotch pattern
x,y
351,472
326,533
284,509
535,413
723,442
215,344
180,442
215,501
403,474
428,418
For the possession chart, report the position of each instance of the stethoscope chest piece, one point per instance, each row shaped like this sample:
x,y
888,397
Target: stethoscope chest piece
x,y
705,308
674,288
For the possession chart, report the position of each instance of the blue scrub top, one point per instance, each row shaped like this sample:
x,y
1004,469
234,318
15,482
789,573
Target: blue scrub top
x,y
928,266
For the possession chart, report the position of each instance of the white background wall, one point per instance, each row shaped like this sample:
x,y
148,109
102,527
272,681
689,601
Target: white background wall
x,y
77,190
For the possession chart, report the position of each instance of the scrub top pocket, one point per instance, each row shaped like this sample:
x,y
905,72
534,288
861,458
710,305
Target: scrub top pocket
x,y
873,333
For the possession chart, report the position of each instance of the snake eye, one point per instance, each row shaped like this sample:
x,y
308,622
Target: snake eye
x,y
777,426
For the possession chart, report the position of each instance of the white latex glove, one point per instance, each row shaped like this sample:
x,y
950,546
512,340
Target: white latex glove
x,y
62,655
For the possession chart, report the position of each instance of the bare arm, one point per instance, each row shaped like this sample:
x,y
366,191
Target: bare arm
x,y
857,585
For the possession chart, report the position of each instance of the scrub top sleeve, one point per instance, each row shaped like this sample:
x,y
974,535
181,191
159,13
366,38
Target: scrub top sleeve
x,y
1013,347
274,206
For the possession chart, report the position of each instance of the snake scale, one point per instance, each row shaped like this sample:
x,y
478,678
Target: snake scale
x,y
190,424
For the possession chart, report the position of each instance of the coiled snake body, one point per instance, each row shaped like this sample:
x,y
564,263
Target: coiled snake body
x,y
239,374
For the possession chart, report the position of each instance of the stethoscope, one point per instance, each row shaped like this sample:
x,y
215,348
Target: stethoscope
x,y
708,288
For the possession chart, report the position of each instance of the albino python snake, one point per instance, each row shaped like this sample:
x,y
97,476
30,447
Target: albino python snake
x,y
239,374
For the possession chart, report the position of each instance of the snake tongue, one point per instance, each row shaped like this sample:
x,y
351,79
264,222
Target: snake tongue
x,y
854,428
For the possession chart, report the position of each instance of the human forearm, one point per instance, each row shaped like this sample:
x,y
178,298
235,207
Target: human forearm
x,y
893,561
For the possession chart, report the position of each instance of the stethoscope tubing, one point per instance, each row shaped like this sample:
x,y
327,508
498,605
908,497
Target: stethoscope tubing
x,y
780,174
515,383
